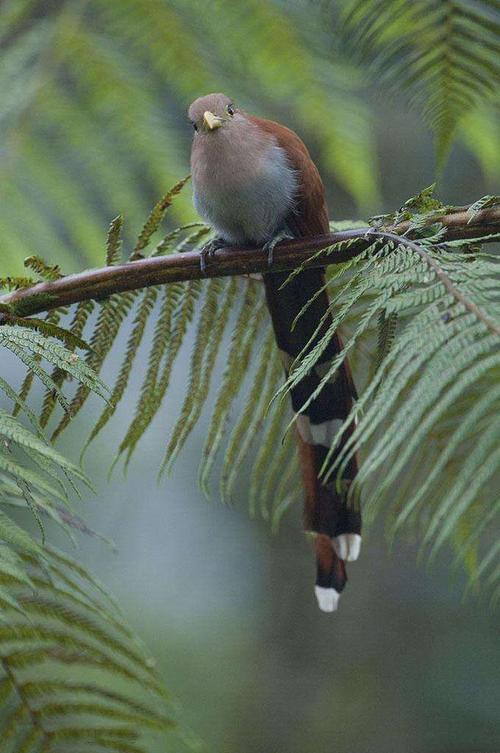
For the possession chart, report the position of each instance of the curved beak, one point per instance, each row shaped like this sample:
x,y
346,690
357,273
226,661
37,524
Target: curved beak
x,y
211,121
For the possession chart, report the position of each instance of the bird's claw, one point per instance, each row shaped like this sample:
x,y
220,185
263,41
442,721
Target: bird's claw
x,y
208,250
268,247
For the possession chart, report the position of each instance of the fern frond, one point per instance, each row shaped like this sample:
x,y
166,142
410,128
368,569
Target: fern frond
x,y
52,318
176,310
270,440
212,322
156,216
113,241
67,631
50,330
46,271
243,342
134,343
276,476
31,346
16,283
167,243
445,54
483,203
82,312
20,404
112,313
387,323
14,432
288,489
436,303
250,423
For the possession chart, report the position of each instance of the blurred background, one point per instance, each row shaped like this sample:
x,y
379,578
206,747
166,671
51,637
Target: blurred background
x,y
93,123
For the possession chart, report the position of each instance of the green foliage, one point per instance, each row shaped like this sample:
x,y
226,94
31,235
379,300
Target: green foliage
x,y
45,271
206,308
157,214
31,346
483,203
443,54
432,396
113,241
72,674
92,116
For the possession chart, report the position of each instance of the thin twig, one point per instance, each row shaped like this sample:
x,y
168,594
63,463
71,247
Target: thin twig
x,y
101,283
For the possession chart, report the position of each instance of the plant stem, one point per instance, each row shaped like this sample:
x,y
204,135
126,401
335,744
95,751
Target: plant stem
x,y
101,283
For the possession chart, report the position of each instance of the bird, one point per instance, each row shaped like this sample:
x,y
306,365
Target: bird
x,y
255,183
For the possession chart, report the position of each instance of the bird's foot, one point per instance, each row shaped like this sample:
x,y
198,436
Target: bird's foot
x,y
209,249
268,247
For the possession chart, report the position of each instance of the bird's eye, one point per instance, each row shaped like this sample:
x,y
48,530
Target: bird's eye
x,y
194,125
230,109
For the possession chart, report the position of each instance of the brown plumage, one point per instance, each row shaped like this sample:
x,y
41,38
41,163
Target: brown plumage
x,y
254,181
310,216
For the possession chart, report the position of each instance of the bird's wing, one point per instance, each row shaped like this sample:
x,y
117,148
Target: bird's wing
x,y
310,213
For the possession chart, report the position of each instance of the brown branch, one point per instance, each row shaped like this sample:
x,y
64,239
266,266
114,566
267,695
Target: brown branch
x,y
101,283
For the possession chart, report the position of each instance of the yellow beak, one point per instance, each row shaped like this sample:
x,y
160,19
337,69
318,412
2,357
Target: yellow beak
x,y
211,121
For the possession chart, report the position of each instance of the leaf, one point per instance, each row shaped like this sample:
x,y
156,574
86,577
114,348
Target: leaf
x,y
39,266
62,658
82,312
206,346
12,430
484,203
241,348
153,222
113,241
443,56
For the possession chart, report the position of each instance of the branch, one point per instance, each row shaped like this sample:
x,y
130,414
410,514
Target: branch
x,y
101,283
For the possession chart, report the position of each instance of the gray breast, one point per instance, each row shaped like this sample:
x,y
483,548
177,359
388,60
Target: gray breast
x,y
252,209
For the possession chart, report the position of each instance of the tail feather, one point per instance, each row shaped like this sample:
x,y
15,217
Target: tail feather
x,y
337,525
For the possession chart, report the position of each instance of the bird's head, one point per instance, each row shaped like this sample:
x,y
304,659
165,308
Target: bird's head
x,y
213,112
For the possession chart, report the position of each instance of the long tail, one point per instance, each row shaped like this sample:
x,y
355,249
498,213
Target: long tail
x,y
337,525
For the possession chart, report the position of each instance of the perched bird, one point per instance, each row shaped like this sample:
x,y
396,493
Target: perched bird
x,y
255,183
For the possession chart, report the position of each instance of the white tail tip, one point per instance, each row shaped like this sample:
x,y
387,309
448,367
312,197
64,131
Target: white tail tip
x,y
328,598
347,546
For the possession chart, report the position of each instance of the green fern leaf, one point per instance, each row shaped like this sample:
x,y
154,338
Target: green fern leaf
x,y
50,330
113,241
212,322
113,312
243,342
252,418
445,54
82,312
174,298
76,633
43,269
153,222
268,444
134,343
52,318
